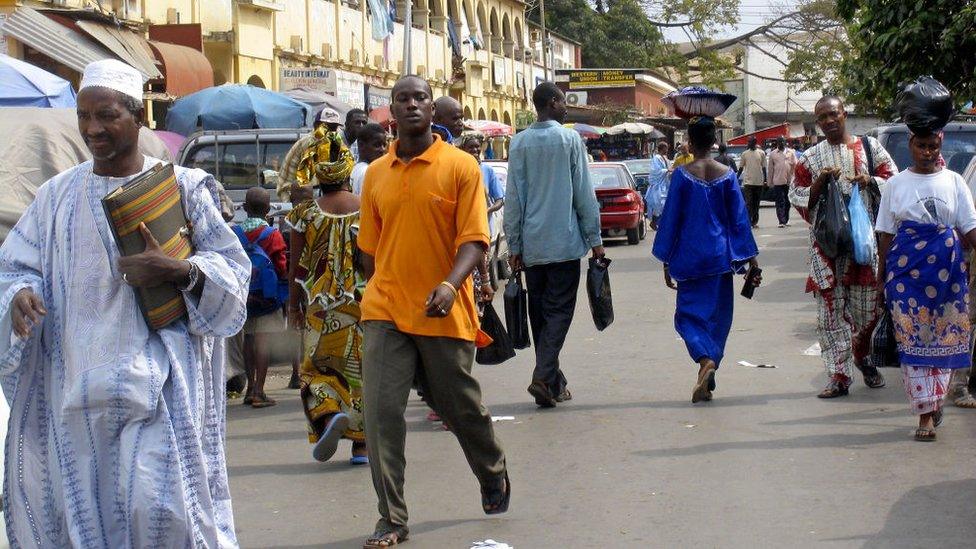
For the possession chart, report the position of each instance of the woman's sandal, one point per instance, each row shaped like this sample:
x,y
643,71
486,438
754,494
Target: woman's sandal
x,y
379,540
701,391
925,435
495,500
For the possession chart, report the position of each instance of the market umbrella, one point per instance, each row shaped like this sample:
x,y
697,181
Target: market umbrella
x,y
173,141
586,130
632,128
24,85
489,128
318,100
233,107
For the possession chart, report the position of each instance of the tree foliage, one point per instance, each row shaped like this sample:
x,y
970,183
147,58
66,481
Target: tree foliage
x,y
895,41
621,34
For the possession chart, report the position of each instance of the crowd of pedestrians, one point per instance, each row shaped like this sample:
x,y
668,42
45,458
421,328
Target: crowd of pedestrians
x,y
380,272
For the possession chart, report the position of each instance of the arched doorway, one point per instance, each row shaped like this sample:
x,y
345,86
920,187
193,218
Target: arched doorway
x,y
467,113
494,115
481,114
256,81
495,31
507,119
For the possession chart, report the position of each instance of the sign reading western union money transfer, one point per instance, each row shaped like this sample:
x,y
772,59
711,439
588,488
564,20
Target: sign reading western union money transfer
x,y
604,78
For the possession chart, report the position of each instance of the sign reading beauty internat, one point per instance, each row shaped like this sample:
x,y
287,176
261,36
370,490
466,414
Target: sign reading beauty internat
x,y
321,79
600,78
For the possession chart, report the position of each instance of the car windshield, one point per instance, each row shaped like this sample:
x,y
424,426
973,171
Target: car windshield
x,y
639,166
607,177
958,148
240,164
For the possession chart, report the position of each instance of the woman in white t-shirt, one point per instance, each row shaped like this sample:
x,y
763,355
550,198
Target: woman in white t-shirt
x,y
924,212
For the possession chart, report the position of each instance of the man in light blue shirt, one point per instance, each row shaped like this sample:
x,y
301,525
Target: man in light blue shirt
x,y
552,218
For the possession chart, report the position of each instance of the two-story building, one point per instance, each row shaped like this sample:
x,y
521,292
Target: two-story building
x,y
479,51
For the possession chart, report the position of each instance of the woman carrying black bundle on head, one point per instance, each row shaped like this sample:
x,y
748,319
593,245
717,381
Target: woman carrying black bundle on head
x,y
925,211
704,237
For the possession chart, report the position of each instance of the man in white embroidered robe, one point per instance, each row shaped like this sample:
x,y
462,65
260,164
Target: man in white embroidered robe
x,y
116,430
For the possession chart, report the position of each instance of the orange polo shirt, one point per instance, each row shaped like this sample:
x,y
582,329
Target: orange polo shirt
x,y
413,219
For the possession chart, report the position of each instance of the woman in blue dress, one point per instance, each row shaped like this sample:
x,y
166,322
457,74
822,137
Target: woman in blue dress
x,y
703,238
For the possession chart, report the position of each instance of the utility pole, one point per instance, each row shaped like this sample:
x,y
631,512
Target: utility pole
x,y
407,26
545,40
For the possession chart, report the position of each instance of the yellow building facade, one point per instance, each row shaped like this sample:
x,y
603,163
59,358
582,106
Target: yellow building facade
x,y
328,45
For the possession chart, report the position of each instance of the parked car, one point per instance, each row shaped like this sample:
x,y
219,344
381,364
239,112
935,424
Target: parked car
x,y
958,144
241,159
640,168
498,261
622,211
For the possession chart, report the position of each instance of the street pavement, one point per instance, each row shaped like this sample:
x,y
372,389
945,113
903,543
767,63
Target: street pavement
x,y
630,462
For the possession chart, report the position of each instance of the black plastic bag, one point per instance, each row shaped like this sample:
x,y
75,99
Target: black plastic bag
x,y
501,348
598,290
884,347
925,105
517,312
832,226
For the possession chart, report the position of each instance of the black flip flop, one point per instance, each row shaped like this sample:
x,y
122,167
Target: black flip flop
x,y
496,498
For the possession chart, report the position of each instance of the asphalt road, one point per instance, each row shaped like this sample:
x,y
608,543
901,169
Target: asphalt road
x,y
630,462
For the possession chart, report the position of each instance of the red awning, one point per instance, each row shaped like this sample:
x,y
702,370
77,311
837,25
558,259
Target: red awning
x,y
184,69
780,130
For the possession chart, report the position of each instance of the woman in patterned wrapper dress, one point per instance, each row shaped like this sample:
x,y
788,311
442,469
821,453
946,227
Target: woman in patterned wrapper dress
x,y
925,211
325,276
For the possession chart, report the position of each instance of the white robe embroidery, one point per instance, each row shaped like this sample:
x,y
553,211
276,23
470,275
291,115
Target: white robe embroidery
x,y
116,431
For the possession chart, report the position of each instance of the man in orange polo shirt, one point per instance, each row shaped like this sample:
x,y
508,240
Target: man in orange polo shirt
x,y
423,229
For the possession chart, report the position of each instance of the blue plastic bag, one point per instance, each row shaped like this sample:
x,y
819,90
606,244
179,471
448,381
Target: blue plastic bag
x,y
865,245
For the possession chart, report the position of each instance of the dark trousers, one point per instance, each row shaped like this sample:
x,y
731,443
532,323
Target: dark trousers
x,y
782,193
752,195
391,361
552,303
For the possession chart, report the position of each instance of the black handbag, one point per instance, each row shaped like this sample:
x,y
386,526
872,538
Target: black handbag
x,y
501,348
517,311
598,291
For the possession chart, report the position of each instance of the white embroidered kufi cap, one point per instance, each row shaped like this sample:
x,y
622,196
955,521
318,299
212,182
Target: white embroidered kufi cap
x,y
115,75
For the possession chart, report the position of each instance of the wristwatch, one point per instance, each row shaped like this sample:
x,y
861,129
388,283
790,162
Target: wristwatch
x,y
193,276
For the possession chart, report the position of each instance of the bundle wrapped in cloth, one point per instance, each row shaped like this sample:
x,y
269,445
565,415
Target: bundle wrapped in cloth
x,y
326,160
925,105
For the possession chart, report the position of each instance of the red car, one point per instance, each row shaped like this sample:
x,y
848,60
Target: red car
x,y
622,210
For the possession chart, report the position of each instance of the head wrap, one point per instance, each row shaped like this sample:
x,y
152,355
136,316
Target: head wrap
x,y
114,75
327,158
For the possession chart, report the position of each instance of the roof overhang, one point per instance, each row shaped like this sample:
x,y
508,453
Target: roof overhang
x,y
185,70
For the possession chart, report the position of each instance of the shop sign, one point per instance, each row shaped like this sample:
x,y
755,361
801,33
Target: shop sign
x,y
498,71
603,78
320,79
350,89
377,96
